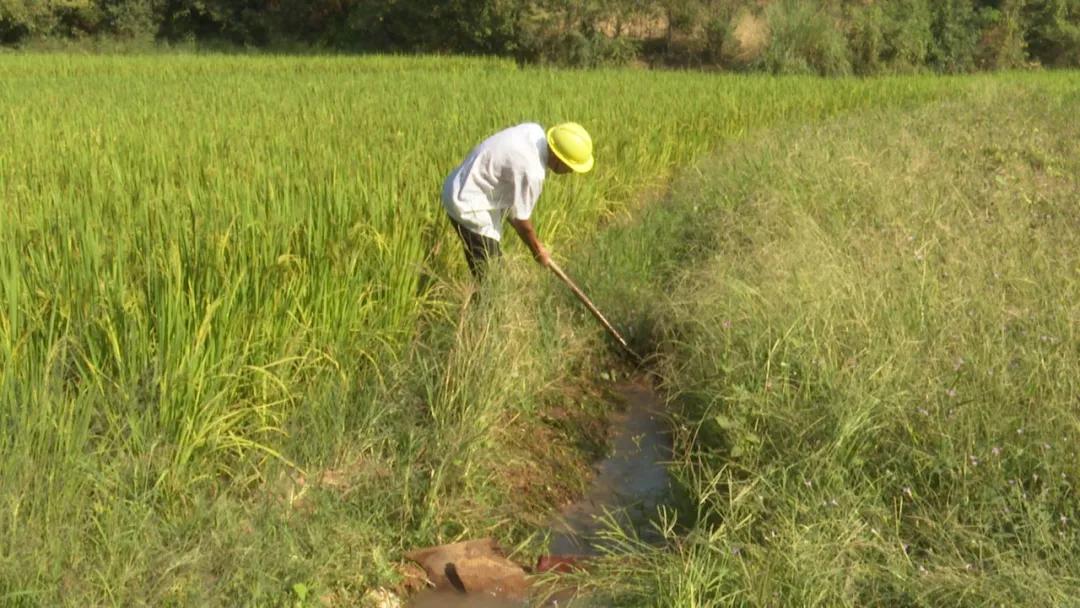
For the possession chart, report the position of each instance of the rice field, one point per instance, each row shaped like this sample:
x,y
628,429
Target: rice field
x,y
216,268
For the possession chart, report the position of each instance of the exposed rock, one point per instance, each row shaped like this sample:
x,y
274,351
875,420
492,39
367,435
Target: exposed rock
x,y
472,567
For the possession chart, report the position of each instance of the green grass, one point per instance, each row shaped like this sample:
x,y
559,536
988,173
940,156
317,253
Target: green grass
x,y
233,356
868,329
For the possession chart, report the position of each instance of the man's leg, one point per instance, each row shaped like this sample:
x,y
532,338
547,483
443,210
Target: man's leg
x,y
479,249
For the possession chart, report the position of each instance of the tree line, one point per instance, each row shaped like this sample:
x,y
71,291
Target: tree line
x,y
780,36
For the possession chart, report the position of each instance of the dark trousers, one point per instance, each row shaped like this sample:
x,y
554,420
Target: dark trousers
x,y
479,249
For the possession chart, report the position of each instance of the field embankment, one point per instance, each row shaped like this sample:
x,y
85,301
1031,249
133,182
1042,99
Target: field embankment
x,y
868,329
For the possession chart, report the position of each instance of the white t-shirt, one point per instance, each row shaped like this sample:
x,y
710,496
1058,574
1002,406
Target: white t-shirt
x,y
503,174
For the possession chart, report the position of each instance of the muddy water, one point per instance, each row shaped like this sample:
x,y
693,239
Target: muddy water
x,y
629,484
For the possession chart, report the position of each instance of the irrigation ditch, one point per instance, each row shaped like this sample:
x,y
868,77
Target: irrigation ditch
x,y
626,488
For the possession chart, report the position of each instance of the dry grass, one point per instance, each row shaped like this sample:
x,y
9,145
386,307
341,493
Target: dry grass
x,y
749,38
874,351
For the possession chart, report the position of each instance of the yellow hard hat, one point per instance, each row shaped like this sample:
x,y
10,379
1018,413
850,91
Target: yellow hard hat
x,y
572,144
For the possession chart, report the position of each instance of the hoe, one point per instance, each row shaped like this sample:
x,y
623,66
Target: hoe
x,y
595,312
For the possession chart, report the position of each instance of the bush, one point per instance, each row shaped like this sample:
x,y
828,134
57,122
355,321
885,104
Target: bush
x,y
1053,33
241,22
717,33
132,18
21,19
726,27
907,34
1002,43
572,34
488,26
804,39
889,37
866,38
956,36
577,48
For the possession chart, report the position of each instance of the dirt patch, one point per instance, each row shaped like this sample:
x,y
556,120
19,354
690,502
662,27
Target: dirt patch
x,y
556,449
749,38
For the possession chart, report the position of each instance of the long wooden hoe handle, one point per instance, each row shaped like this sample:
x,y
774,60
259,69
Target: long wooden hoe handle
x,y
592,308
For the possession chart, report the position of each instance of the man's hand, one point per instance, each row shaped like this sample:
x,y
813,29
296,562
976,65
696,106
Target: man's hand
x,y
542,256
527,233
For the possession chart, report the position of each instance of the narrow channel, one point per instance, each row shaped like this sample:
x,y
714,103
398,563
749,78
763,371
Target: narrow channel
x,y
629,485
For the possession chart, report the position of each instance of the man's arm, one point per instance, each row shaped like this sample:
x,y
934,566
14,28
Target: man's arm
x,y
527,233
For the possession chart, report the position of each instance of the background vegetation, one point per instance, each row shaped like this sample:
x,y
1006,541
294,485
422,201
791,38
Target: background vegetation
x,y
781,36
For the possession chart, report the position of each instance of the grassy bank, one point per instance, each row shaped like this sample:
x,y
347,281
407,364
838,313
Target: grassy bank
x,y
868,327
